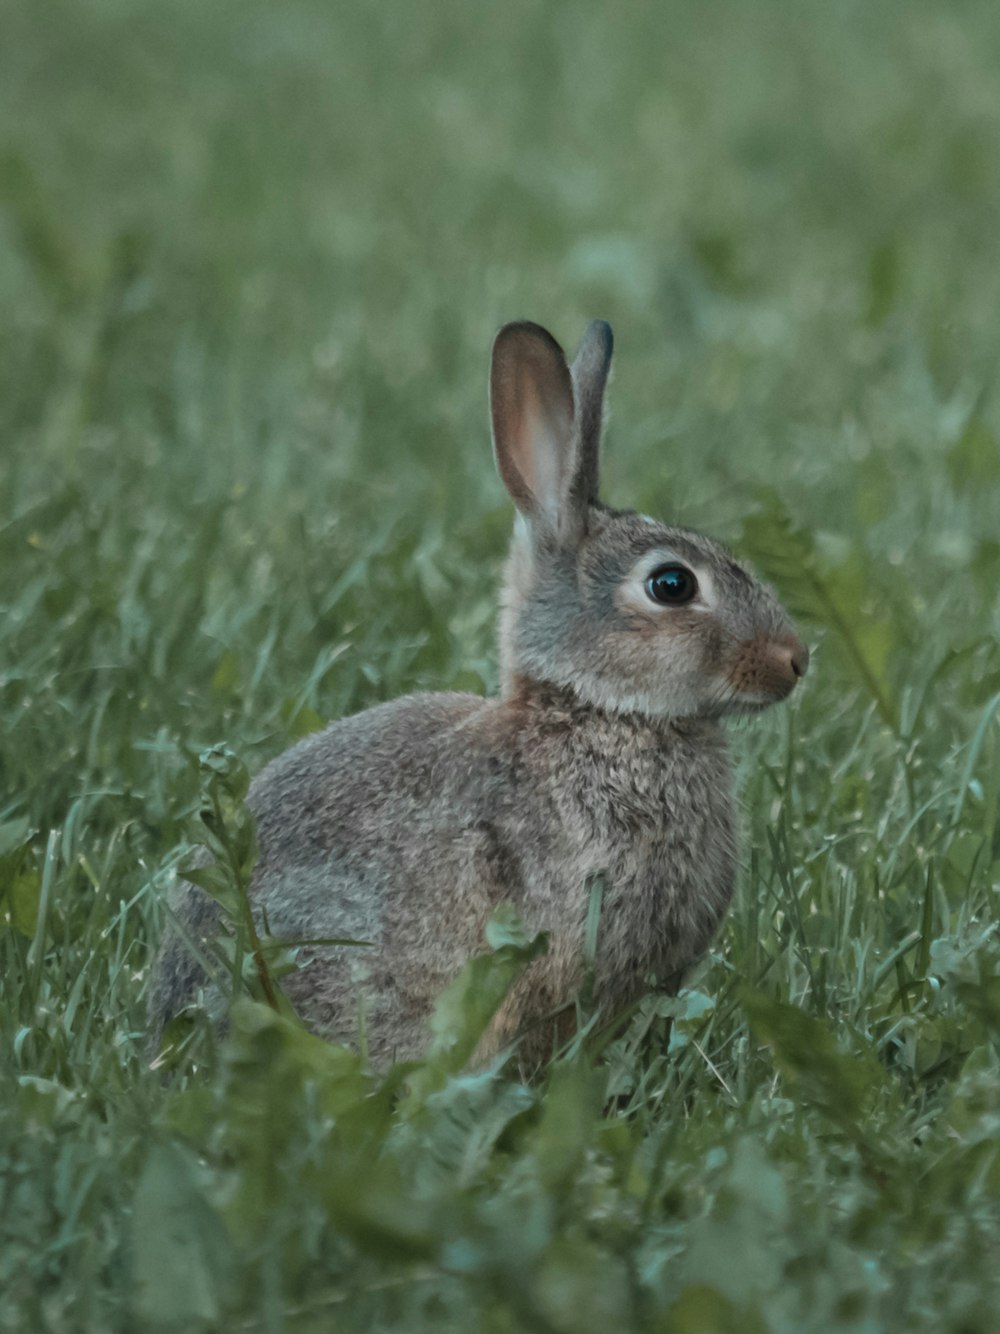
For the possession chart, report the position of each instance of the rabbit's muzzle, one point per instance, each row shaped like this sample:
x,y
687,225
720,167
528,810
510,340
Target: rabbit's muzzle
x,y
768,669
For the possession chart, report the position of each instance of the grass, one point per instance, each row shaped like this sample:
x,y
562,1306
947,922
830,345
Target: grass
x,y
251,261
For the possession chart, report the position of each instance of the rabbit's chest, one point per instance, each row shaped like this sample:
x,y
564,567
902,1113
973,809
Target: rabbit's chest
x,y
658,823
650,804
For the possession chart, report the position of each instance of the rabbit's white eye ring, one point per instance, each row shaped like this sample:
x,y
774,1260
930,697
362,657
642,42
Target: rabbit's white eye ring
x,y
671,585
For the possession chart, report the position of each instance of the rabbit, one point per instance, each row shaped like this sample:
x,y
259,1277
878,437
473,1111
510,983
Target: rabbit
x,y
624,644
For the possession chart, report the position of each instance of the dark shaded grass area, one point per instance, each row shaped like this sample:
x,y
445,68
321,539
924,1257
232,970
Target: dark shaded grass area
x,y
251,259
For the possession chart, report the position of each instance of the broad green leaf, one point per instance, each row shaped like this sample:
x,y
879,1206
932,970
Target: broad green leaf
x,y
841,1084
222,767
736,1247
300,720
460,1124
181,1257
690,1010
583,1289
14,836
464,1010
226,677
703,1309
21,899
216,881
974,459
47,1103
570,1121
884,276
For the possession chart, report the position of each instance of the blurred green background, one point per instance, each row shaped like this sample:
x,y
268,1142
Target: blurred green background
x,y
252,257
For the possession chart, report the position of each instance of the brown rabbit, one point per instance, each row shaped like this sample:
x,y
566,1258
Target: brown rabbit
x,y
623,644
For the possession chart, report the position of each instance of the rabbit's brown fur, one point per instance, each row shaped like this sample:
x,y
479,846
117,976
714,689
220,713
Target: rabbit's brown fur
x,y
407,824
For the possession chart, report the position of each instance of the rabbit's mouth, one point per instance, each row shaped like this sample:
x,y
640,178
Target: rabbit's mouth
x,y
737,706
725,702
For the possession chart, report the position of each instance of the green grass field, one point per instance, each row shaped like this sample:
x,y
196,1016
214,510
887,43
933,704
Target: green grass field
x,y
251,260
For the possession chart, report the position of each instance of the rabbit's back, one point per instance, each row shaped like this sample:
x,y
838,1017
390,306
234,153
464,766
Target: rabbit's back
x,y
364,830
327,795
372,830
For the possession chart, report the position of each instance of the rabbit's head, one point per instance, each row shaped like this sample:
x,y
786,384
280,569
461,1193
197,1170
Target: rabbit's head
x,y
632,615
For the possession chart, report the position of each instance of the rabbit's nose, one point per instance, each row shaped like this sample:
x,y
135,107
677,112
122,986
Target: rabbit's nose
x,y
769,668
788,659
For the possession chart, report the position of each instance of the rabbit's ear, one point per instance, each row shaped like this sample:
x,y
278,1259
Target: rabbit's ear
x,y
590,376
534,436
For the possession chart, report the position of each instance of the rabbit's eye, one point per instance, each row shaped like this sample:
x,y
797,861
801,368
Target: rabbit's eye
x,y
672,585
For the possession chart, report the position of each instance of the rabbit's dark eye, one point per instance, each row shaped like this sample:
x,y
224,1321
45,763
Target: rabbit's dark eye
x,y
672,585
